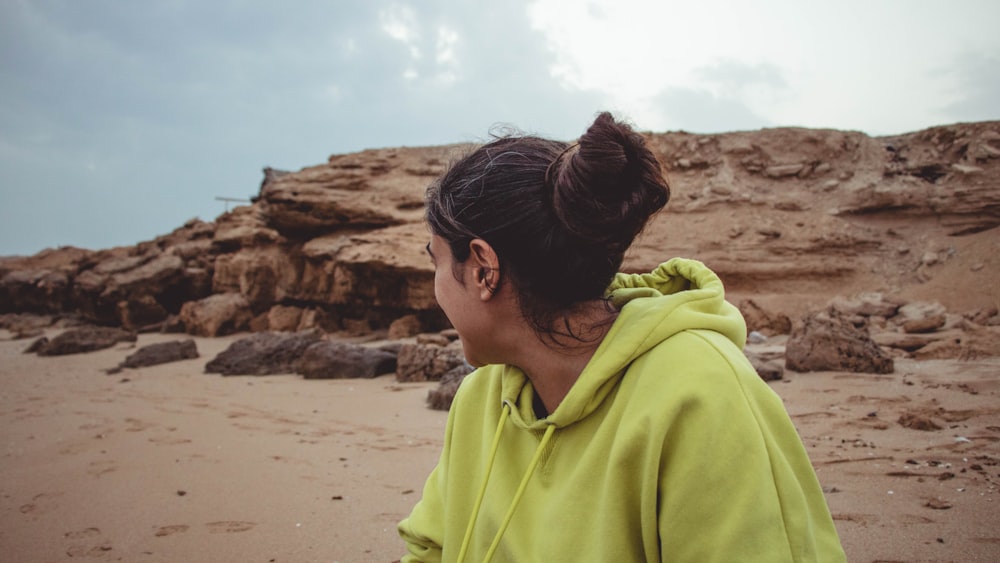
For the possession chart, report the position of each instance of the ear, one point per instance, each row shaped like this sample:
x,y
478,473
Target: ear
x,y
485,266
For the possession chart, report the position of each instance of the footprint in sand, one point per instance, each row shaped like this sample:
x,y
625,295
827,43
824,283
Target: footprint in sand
x,y
87,549
169,441
98,468
40,503
85,533
230,526
136,425
171,530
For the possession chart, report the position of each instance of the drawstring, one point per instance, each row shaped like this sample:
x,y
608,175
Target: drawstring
x,y
520,491
486,480
517,496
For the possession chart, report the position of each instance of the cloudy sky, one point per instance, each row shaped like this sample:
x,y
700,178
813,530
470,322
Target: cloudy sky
x,y
119,121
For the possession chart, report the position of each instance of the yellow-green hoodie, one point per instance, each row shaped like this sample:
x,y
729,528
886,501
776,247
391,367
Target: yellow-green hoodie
x,y
668,447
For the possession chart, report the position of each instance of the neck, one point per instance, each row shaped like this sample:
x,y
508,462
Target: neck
x,y
553,363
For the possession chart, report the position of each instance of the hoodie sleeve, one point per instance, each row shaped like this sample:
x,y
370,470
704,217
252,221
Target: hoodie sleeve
x,y
423,529
735,481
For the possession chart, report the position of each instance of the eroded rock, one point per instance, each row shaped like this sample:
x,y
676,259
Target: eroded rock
x,y
427,362
264,353
441,397
216,315
826,341
159,353
344,360
768,370
764,322
84,339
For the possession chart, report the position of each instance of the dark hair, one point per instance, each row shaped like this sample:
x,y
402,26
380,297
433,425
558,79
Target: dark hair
x,y
559,216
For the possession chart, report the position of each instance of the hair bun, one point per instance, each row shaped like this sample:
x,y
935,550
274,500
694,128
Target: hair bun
x,y
605,189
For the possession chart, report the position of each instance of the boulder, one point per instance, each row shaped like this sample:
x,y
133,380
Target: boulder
x,y
926,324
264,353
84,339
427,362
159,353
264,276
216,315
921,317
441,397
768,370
383,268
826,341
865,305
972,343
344,360
243,227
768,324
405,327
25,325
150,276
985,316
141,312
284,318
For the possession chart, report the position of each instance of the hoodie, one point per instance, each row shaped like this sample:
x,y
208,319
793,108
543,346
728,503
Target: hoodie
x,y
669,447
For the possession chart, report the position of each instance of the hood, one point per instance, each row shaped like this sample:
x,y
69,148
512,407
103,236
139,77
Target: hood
x,y
678,295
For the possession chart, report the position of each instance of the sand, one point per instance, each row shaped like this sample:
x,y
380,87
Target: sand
x,y
168,463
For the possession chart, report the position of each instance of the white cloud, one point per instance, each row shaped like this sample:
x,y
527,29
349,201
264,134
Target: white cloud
x,y
446,41
851,64
400,23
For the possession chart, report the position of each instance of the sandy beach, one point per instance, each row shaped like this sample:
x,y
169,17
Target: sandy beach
x,y
167,463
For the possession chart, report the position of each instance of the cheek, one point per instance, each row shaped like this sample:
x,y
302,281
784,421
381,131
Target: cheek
x,y
440,292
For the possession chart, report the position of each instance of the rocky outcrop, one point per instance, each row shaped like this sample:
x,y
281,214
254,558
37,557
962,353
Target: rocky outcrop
x,y
787,217
368,190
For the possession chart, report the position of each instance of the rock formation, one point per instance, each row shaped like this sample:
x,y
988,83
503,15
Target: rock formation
x,y
789,218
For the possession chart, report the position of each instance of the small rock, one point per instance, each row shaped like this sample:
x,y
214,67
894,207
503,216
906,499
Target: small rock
x,y
783,170
938,504
917,422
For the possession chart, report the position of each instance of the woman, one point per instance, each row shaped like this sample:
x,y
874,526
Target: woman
x,y
612,417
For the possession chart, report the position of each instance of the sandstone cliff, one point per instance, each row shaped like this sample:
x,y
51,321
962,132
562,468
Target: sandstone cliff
x,y
789,217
